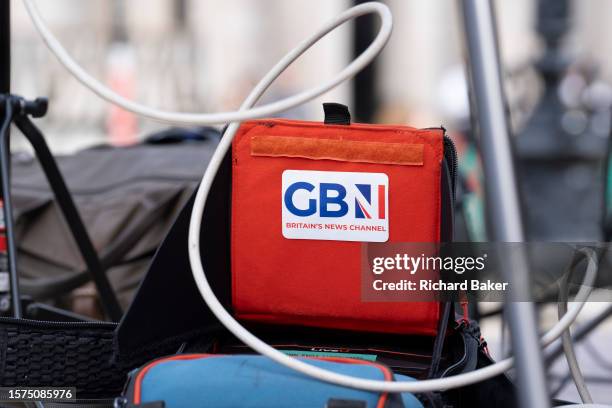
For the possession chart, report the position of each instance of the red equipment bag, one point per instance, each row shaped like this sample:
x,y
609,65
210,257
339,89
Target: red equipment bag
x,y
306,196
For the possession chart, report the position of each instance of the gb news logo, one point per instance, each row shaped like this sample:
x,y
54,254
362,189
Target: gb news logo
x,y
339,206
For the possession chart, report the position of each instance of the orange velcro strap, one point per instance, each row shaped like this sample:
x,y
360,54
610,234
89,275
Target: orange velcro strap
x,y
338,149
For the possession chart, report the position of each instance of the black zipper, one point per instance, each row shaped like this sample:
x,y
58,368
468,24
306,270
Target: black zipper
x,y
58,325
450,153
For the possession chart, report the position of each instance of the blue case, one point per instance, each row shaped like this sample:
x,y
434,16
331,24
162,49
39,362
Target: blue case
x,y
220,381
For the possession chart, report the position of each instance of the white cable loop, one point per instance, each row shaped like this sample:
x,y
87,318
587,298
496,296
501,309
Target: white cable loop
x,y
233,116
248,112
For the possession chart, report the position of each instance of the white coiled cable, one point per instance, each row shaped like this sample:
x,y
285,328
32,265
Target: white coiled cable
x,y
244,114
247,111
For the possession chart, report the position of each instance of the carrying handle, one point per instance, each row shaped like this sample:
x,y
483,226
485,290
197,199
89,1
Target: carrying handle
x,y
336,114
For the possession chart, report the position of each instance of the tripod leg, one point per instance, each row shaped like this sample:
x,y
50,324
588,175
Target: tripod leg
x,y
71,215
5,157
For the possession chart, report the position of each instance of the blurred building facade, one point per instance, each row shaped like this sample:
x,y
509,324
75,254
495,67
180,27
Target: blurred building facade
x,y
204,55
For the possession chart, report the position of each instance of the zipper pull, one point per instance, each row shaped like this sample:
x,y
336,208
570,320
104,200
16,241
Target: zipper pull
x,y
464,317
